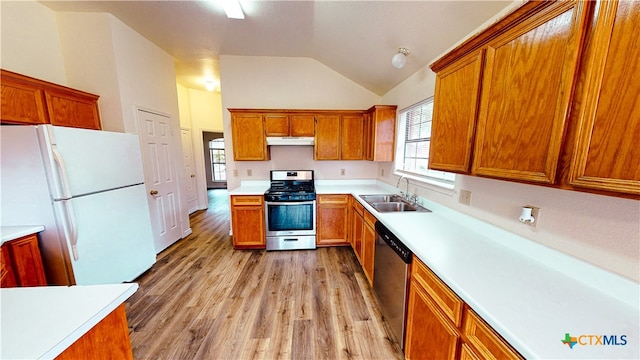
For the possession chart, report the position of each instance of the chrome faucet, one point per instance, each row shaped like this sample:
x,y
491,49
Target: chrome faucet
x,y
407,194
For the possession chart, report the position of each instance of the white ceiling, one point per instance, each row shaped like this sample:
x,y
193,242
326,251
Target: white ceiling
x,y
355,38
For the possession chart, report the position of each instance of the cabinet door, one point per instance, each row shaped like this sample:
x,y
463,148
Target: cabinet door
x,y
526,89
357,228
332,220
73,110
276,125
7,274
429,335
22,104
368,246
607,154
248,137
301,125
382,133
247,218
484,340
368,135
352,145
454,115
27,261
327,137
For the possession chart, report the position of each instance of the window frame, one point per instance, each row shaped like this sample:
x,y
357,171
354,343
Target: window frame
x,y
437,178
214,163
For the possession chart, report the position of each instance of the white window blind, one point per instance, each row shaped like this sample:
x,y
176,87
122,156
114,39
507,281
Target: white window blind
x,y
414,140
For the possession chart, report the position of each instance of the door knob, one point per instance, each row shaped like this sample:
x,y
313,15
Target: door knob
x,y
193,175
153,192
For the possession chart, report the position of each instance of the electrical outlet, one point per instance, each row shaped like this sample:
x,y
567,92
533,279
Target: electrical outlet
x,y
343,172
465,197
235,172
249,172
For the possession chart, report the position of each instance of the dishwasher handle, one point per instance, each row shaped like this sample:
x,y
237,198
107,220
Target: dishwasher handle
x,y
393,242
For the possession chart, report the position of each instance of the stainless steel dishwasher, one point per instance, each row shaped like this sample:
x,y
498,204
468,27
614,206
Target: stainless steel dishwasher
x,y
391,279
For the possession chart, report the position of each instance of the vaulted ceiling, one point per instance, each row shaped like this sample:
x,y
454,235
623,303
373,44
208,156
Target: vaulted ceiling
x,y
354,38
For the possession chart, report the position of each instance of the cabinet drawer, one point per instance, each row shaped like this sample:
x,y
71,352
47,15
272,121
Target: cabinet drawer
x,y
487,343
240,200
446,299
369,219
357,207
333,199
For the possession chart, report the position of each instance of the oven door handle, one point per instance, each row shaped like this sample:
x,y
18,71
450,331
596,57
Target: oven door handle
x,y
290,203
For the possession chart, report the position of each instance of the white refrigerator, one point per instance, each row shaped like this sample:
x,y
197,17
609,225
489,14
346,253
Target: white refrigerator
x,y
87,188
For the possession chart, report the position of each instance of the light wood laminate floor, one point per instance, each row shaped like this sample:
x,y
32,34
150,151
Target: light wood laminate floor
x,y
203,300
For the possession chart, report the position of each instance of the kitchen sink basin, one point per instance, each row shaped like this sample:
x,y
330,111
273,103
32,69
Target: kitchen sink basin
x,y
372,199
391,203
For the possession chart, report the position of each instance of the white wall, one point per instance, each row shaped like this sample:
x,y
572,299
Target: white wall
x,y
87,45
200,111
29,42
602,230
289,83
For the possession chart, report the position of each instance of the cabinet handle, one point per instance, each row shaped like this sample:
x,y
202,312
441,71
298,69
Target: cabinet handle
x,y
153,192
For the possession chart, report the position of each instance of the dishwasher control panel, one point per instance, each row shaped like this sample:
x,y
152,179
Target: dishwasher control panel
x,y
393,242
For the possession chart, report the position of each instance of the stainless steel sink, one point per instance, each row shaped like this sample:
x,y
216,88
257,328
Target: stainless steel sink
x,y
371,199
391,203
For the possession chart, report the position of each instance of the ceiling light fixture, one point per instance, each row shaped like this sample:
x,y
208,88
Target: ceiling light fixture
x,y
233,9
400,59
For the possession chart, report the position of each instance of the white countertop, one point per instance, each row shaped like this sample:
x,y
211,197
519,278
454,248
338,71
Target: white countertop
x,y
41,322
530,294
13,232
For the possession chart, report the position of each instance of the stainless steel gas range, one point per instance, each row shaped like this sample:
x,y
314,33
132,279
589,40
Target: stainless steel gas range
x,y
290,210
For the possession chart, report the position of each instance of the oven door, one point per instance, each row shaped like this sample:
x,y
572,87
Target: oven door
x,y
290,218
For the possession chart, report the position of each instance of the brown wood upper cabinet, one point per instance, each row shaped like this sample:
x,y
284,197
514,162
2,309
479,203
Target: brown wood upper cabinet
x,y
380,133
338,134
30,101
606,154
247,130
546,96
296,125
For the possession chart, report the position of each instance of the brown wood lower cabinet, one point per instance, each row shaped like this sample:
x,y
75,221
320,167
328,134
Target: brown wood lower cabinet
x,y
363,237
357,228
368,245
332,218
435,319
22,263
247,221
109,339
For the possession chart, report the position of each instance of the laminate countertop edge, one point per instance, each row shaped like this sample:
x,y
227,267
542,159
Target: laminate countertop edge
x,y
42,322
14,232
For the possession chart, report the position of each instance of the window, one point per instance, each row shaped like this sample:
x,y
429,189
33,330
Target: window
x,y
414,139
218,165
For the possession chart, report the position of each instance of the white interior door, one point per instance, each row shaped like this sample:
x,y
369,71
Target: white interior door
x,y
189,170
161,179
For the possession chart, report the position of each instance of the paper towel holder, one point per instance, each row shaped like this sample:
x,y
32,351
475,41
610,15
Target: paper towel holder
x,y
526,216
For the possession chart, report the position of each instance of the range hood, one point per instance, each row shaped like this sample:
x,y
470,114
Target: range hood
x,y
290,140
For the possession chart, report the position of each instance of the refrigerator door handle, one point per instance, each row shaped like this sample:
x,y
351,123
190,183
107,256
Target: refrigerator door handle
x,y
70,225
64,178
